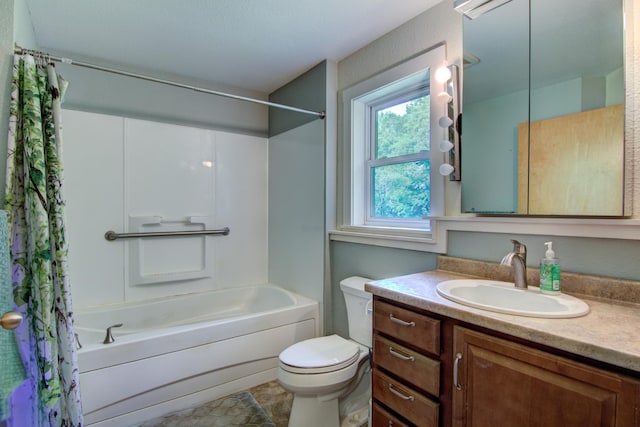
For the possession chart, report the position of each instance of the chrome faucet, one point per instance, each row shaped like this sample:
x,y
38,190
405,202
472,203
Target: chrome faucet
x,y
518,260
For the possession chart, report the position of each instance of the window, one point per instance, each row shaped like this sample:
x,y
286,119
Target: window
x,y
398,162
390,121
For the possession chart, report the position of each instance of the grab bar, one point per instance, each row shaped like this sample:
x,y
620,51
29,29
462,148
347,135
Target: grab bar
x,y
112,235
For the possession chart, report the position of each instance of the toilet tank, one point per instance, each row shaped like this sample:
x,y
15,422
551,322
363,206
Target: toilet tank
x,y
359,309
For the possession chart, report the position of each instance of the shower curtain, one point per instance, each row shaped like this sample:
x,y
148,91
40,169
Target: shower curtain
x,y
34,204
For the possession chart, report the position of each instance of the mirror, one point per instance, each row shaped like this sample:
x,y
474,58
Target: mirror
x,y
543,109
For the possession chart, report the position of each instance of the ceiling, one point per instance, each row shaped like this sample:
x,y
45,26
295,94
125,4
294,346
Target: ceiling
x,y
251,44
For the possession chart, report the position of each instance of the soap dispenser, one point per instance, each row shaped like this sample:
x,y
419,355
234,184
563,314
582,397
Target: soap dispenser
x,y
549,271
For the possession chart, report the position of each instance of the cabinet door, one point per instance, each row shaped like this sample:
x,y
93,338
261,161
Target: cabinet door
x,y
506,384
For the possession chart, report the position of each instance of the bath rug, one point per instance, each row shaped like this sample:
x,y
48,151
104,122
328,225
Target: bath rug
x,y
239,409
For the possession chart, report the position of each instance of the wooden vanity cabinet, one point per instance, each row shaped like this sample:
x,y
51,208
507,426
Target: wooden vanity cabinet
x,y
500,382
406,367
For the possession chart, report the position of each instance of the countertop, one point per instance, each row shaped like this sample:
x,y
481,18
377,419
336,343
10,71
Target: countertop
x,y
609,333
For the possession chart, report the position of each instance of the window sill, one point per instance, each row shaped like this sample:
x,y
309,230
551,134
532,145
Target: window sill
x,y
411,239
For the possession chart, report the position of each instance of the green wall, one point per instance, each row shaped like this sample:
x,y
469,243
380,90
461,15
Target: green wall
x,y
307,92
297,172
373,262
600,257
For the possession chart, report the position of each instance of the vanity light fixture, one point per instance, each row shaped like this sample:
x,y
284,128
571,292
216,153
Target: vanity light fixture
x,y
474,8
444,122
443,74
445,169
445,97
450,121
445,146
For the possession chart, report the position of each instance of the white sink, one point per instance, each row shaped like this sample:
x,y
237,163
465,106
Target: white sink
x,y
504,297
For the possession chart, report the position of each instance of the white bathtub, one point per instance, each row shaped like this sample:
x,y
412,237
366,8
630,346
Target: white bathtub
x,y
180,351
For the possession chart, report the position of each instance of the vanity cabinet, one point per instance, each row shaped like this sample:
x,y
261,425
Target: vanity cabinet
x,y
406,367
502,383
430,370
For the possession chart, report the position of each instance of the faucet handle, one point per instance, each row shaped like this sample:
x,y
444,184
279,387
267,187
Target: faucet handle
x,y
108,339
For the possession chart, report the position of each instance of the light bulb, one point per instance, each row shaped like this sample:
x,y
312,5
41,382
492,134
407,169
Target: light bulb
x,y
442,74
444,122
446,169
445,97
445,146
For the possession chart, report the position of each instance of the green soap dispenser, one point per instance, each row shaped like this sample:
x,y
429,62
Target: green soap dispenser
x,y
550,271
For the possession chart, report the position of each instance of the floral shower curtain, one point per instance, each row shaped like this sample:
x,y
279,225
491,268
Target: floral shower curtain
x,y
34,204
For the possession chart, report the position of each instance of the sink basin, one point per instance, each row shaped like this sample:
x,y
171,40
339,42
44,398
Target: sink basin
x,y
503,297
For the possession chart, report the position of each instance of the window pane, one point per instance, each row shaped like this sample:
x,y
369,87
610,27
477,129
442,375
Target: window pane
x,y
402,128
401,190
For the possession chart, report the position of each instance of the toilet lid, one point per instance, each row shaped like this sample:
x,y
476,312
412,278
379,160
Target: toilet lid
x,y
323,354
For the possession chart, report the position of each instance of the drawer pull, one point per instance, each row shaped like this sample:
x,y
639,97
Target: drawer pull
x,y
400,395
400,355
455,371
401,322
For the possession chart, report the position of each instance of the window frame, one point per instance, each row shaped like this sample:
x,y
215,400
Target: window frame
x,y
403,78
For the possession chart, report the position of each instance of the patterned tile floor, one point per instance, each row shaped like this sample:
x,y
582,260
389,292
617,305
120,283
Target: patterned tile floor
x,y
275,400
267,405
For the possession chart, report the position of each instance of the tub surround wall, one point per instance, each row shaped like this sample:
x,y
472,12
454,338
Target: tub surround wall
x,y
130,175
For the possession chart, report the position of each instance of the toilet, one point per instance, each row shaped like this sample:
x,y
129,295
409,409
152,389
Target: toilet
x,y
330,377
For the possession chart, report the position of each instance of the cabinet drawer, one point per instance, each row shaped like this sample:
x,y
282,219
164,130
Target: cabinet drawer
x,y
405,400
418,369
419,330
382,418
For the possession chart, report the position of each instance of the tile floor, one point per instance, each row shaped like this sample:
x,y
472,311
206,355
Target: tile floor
x,y
235,411
275,400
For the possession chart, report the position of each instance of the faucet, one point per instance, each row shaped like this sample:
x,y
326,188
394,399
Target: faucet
x,y
109,338
518,259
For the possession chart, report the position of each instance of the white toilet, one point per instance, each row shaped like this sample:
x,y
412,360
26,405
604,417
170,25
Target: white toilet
x,y
330,376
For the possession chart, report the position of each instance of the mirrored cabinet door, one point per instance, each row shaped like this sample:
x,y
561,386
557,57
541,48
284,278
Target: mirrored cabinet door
x,y
495,99
543,114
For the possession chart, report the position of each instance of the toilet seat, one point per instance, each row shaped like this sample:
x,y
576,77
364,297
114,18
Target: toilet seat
x,y
319,355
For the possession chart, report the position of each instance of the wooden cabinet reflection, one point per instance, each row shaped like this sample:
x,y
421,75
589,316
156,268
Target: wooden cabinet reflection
x,y
573,164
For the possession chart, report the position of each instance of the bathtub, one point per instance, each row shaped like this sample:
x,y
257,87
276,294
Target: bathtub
x,y
181,351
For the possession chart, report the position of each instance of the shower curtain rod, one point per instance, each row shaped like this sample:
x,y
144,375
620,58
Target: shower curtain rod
x,y
19,50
